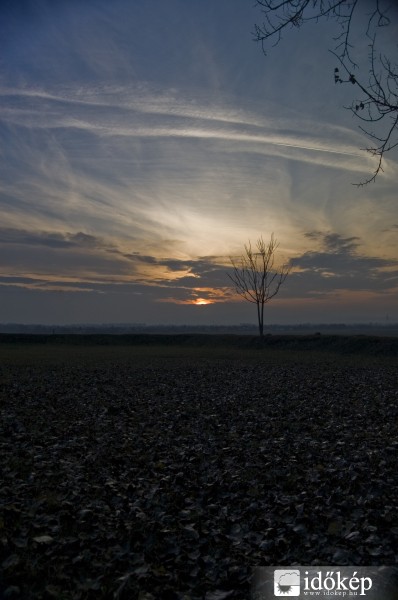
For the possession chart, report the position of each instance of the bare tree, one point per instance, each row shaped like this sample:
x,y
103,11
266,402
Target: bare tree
x,y
254,276
377,99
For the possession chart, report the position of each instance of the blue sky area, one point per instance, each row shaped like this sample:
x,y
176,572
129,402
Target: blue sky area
x,y
144,143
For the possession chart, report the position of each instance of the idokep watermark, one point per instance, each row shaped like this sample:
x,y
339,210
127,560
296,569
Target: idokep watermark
x,y
370,583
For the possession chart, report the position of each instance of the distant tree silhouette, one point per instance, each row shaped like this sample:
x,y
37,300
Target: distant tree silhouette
x,y
254,276
377,101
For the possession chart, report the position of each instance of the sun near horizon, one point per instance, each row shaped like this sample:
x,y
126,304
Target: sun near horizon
x,y
202,301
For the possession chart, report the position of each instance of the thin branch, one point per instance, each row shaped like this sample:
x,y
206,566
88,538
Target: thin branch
x,y
380,92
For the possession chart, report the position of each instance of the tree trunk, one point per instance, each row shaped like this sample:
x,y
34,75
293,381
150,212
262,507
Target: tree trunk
x,y
260,316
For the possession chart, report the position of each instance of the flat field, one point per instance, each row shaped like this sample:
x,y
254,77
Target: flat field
x,y
151,467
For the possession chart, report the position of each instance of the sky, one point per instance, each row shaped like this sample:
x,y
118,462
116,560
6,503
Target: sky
x,y
143,144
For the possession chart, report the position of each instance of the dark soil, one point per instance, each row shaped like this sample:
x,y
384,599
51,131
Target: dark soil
x,y
171,478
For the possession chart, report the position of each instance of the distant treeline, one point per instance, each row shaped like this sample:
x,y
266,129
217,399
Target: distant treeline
x,y
244,328
338,344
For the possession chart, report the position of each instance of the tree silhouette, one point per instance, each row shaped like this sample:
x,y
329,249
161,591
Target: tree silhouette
x,y
254,276
377,102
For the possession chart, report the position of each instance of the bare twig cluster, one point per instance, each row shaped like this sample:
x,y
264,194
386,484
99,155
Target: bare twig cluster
x,y
378,89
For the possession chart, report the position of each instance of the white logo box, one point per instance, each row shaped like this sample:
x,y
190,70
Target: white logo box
x,y
330,582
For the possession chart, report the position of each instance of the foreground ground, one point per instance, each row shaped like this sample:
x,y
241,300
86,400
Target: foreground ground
x,y
148,472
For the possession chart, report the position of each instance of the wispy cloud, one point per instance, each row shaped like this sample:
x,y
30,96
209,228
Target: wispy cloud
x,y
137,113
140,163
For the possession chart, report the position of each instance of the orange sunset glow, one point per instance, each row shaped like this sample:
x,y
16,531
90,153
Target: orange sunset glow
x,y
202,301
